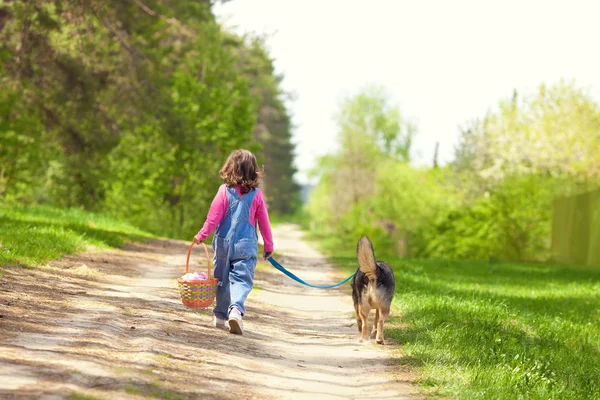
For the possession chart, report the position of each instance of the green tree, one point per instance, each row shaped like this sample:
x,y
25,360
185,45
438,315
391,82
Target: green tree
x,y
372,139
556,132
511,164
370,130
131,107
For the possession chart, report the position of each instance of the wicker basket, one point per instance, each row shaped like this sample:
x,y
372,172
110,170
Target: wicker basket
x,y
201,293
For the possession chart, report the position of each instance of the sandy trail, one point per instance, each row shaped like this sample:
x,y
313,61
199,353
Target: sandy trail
x,y
110,325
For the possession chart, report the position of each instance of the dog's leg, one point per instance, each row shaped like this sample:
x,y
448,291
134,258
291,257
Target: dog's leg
x,y
358,320
364,314
375,324
385,312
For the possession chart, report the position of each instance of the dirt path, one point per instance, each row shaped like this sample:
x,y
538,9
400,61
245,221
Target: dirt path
x,y
110,325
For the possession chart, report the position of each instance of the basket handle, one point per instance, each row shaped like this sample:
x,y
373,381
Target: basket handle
x,y
187,261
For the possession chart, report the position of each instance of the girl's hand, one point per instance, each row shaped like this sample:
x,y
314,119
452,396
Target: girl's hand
x,y
267,255
196,241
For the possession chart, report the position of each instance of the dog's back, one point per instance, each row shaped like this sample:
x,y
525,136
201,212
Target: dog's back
x,y
372,288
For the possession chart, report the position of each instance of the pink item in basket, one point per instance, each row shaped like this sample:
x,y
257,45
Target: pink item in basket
x,y
195,276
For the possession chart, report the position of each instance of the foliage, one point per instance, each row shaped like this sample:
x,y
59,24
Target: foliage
x,y
368,122
493,202
130,108
173,167
502,331
408,200
370,132
511,222
556,132
513,163
21,150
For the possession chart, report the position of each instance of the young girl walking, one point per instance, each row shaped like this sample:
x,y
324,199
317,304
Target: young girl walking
x,y
233,214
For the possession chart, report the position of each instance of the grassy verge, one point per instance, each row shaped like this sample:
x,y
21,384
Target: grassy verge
x,y
33,235
498,331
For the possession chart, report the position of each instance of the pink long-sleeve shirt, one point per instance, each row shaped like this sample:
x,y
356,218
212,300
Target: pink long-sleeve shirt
x,y
258,211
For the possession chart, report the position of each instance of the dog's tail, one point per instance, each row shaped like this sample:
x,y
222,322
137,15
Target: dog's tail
x,y
366,258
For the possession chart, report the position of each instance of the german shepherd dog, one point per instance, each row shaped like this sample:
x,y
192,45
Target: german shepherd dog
x,y
372,287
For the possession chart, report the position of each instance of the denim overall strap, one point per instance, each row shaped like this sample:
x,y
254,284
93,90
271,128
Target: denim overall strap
x,y
235,226
240,209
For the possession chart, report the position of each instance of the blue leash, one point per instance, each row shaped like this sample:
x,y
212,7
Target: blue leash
x,y
294,277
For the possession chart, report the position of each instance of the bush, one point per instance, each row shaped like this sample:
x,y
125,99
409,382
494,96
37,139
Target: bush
x,y
511,222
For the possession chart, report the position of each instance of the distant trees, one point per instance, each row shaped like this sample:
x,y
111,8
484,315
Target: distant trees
x,y
493,201
556,131
370,130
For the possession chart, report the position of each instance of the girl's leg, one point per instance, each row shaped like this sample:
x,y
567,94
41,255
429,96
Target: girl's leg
x,y
223,299
241,277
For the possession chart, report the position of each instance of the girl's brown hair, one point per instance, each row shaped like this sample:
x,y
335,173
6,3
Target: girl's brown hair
x,y
241,169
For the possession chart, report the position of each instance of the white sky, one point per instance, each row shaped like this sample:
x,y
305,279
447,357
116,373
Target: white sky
x,y
443,62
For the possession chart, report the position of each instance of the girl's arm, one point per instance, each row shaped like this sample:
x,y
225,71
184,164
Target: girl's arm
x,y
262,215
216,213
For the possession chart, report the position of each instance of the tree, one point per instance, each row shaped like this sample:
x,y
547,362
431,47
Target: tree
x,y
370,130
556,132
370,115
131,107
371,134
510,166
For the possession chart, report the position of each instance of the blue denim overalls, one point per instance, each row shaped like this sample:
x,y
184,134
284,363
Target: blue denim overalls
x,y
236,246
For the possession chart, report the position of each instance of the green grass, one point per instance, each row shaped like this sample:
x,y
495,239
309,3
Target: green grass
x,y
477,330
33,235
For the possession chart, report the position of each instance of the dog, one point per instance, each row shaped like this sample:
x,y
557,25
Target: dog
x,y
373,287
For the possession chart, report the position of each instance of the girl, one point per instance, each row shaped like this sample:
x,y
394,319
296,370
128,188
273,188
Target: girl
x,y
233,213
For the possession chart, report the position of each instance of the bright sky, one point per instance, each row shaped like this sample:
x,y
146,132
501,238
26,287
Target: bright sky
x,y
443,62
